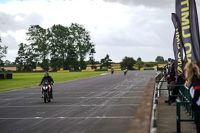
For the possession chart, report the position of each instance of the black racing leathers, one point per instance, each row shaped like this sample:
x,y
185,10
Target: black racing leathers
x,y
48,78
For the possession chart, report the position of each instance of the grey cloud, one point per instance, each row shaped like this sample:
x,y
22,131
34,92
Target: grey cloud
x,y
10,42
147,29
148,3
8,22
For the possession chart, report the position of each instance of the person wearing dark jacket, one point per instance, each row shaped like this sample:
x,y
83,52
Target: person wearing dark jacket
x,y
167,68
50,81
192,76
172,81
171,76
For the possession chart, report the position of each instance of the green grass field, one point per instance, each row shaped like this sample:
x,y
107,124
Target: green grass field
x,y
24,80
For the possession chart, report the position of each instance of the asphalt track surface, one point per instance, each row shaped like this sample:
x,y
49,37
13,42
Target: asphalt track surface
x,y
101,104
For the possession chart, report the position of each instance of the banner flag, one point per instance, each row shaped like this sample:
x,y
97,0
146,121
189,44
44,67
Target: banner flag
x,y
187,14
178,46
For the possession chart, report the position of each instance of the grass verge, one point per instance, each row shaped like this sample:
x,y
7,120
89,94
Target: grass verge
x,y
24,80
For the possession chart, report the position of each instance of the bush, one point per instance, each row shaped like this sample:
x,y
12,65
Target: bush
x,y
9,76
75,70
2,76
101,70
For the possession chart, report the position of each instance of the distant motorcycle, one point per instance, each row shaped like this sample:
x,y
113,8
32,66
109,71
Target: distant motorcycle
x,y
112,71
46,88
125,71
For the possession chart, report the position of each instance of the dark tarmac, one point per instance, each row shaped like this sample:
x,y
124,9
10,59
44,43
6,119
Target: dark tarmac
x,y
101,104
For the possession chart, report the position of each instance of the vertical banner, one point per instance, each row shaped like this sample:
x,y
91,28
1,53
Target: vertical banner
x,y
178,46
187,14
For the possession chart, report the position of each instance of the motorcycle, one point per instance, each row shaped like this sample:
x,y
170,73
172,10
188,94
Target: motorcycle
x,y
112,71
125,71
46,89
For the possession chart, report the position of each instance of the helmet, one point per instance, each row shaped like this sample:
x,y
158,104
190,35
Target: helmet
x,y
172,60
46,74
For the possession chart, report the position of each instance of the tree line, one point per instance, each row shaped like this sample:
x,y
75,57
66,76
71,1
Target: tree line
x,y
63,47
56,47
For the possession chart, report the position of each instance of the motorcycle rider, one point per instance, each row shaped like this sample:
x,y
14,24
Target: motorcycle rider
x,y
50,80
112,70
125,70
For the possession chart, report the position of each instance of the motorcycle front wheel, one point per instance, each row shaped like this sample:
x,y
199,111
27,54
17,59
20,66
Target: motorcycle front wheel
x,y
45,97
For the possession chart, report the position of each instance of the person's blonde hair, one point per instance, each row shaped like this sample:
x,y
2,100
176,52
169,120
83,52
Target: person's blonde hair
x,y
191,69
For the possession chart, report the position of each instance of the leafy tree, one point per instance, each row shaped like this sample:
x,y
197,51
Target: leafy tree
x,y
3,52
150,64
106,62
160,60
7,63
139,59
58,47
39,44
25,61
58,38
97,62
72,58
44,64
139,63
81,40
128,62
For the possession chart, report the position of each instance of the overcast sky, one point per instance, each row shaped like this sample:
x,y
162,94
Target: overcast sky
x,y
133,28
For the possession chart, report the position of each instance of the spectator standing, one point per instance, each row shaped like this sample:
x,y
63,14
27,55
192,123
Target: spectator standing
x,y
172,80
192,76
167,68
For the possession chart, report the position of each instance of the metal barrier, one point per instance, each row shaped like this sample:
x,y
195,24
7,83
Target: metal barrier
x,y
170,91
184,99
178,114
158,84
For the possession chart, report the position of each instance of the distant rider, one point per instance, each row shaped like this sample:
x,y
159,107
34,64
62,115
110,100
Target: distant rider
x,y
50,80
125,70
112,70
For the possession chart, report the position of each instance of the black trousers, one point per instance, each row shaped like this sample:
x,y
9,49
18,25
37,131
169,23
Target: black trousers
x,y
175,91
197,119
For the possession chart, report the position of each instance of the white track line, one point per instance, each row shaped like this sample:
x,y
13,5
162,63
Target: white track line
x,y
84,105
50,118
